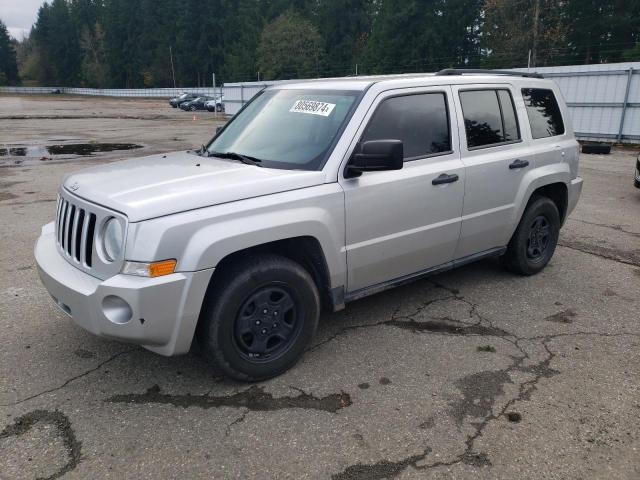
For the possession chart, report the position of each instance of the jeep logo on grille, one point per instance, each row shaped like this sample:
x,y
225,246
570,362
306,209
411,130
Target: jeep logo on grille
x,y
74,186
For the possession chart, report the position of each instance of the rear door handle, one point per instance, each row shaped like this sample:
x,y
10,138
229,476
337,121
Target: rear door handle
x,y
445,178
518,164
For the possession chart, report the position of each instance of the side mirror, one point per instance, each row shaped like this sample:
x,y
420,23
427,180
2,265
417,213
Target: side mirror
x,y
376,156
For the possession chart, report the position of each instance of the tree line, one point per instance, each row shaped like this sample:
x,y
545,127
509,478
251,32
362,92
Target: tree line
x,y
159,43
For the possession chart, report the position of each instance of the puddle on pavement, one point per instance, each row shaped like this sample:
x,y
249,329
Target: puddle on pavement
x,y
80,149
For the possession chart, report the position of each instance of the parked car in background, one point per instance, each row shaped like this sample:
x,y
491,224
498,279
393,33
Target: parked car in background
x,y
197,103
636,179
215,104
185,97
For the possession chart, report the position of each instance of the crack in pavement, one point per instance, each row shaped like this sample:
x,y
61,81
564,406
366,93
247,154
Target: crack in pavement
x,y
240,419
253,399
488,383
72,379
617,228
61,422
627,258
442,325
381,469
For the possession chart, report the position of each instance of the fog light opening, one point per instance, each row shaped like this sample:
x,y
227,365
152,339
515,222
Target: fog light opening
x,y
116,309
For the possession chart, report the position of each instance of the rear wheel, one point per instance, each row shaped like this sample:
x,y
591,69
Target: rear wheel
x,y
259,318
535,239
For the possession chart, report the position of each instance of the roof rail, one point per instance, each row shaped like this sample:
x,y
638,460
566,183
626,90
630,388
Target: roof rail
x,y
462,71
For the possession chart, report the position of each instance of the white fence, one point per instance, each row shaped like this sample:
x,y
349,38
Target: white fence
x,y
115,92
603,100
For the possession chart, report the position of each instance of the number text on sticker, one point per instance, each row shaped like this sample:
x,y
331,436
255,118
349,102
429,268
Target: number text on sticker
x,y
313,107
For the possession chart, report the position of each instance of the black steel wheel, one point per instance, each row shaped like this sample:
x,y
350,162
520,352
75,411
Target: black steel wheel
x,y
538,241
266,325
534,241
258,317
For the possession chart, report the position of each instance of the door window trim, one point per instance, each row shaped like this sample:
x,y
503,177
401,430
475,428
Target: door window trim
x,y
408,94
515,112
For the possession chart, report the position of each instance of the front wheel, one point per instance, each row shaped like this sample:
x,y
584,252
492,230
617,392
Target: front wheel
x,y
259,317
535,239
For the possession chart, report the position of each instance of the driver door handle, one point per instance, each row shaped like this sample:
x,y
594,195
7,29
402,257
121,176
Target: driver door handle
x,y
444,178
517,163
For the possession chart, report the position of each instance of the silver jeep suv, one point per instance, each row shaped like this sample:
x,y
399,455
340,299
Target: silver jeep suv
x,y
315,194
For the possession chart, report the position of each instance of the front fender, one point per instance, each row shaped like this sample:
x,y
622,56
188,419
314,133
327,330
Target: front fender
x,y
201,238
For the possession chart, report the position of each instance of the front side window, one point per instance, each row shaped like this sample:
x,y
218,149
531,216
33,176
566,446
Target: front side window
x,y
543,112
421,121
489,117
288,129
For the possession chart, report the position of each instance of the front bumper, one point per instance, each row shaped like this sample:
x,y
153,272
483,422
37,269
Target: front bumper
x,y
575,189
163,311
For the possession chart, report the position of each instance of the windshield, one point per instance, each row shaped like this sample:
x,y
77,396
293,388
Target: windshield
x,y
291,129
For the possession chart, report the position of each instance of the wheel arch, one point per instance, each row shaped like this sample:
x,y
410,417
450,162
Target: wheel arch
x,y
556,192
305,250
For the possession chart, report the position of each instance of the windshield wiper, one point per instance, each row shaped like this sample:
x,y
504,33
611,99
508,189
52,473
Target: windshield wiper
x,y
237,156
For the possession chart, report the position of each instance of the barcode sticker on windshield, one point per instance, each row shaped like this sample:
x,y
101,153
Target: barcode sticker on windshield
x,y
313,107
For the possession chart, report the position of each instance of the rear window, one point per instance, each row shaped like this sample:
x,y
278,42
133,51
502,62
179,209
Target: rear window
x,y
421,121
543,112
489,117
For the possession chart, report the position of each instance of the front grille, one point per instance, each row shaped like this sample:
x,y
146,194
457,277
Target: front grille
x,y
75,231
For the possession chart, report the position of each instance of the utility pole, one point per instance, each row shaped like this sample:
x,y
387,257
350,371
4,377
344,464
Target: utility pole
x,y
213,80
173,73
536,21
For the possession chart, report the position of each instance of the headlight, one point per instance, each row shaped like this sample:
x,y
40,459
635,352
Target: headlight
x,y
112,239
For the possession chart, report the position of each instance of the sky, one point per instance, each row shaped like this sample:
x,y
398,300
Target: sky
x,y
19,15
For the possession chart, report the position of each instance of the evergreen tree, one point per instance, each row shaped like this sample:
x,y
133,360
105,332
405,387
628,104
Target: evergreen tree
x,y
133,43
600,31
290,47
512,30
344,25
419,35
8,64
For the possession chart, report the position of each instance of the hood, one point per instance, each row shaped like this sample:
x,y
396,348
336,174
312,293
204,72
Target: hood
x,y
158,185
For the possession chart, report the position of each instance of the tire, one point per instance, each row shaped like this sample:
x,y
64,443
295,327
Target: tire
x,y
596,148
209,109
236,334
535,239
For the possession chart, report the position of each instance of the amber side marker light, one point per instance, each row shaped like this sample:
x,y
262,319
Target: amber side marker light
x,y
152,269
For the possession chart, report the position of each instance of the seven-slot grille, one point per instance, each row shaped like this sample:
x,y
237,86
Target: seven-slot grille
x,y
75,231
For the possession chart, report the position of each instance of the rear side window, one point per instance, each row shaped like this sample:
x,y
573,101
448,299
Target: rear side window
x,y
420,121
489,117
543,112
